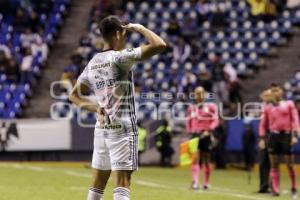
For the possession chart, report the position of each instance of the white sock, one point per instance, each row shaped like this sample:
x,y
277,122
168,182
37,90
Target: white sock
x,y
121,193
95,194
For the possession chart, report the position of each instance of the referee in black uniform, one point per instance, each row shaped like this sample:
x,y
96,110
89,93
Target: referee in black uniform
x,y
264,160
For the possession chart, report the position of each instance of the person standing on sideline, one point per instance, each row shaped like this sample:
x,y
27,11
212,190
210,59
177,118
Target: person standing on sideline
x,y
282,120
142,140
163,141
264,160
202,120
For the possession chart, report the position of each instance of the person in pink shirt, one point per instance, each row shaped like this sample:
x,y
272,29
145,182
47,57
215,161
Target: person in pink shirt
x,y
281,119
202,119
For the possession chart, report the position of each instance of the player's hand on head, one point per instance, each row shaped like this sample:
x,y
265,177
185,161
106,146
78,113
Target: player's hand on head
x,y
132,27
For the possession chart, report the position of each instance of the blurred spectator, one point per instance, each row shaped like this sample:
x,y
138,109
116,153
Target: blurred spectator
x,y
249,142
293,3
258,7
181,50
26,66
21,20
196,50
174,28
12,72
280,5
71,72
85,47
43,6
188,83
188,27
205,79
28,37
233,83
262,9
173,87
218,19
96,37
220,149
219,87
122,15
6,50
3,61
39,47
34,21
203,7
163,141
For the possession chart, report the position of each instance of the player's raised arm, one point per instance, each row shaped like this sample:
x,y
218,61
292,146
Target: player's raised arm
x,y
155,43
81,88
76,97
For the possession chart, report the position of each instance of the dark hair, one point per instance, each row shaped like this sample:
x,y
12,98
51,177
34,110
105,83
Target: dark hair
x,y
109,26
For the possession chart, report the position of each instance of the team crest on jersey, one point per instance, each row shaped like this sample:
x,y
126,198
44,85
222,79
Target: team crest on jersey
x,y
102,72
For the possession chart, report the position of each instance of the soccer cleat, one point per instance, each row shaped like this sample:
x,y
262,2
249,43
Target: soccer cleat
x,y
294,193
263,191
205,187
275,194
195,186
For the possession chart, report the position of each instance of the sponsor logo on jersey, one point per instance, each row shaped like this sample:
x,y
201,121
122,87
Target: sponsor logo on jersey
x,y
119,164
112,126
105,83
100,66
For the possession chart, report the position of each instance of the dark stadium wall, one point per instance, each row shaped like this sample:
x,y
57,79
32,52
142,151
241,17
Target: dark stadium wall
x,y
67,141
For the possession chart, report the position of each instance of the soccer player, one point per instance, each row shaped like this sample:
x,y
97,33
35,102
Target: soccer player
x,y
202,119
109,76
282,120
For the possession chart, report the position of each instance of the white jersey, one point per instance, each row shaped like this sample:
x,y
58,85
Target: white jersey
x,y
109,76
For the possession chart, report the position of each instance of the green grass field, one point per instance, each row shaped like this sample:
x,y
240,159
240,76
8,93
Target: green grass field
x,y
70,181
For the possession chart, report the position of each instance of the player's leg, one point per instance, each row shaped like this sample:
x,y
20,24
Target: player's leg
x,y
102,167
264,171
124,160
292,173
122,184
289,159
205,157
196,171
274,149
207,169
275,174
100,178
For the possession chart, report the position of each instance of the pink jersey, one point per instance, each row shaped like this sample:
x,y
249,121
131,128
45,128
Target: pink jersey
x,y
277,118
202,118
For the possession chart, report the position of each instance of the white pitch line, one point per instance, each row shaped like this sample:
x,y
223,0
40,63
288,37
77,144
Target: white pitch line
x,y
73,173
151,184
34,168
220,191
224,192
78,188
19,166
243,196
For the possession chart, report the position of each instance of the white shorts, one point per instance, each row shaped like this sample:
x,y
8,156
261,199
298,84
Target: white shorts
x,y
115,151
